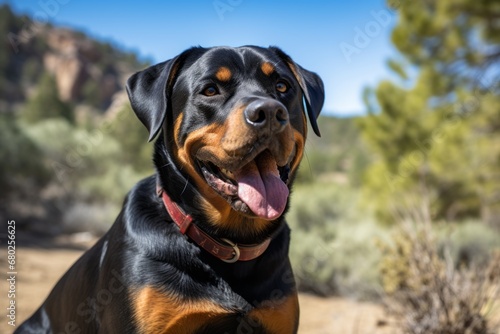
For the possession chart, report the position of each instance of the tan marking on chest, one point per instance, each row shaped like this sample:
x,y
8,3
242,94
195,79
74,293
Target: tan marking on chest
x,y
280,316
158,312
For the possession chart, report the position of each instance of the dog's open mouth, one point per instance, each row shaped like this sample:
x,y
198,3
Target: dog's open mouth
x,y
259,187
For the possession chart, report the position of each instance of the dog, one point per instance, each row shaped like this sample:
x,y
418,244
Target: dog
x,y
202,245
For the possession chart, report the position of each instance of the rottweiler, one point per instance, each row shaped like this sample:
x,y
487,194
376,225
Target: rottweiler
x,y
202,245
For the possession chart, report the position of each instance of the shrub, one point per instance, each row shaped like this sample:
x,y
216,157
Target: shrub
x,y
21,158
133,137
88,162
333,249
112,185
469,243
429,294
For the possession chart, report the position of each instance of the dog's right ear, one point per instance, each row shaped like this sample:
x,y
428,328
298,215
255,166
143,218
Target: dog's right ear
x,y
311,85
149,91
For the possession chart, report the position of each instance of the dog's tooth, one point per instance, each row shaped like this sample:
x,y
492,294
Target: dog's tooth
x,y
230,189
226,172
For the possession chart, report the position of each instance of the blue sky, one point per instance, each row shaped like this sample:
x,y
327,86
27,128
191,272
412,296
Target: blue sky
x,y
346,42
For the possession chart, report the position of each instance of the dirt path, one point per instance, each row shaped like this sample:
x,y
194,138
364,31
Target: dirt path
x,y
39,269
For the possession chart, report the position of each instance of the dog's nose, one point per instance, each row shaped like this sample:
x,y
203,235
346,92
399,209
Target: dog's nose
x,y
266,114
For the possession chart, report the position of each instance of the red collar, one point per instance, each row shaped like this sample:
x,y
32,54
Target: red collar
x,y
226,250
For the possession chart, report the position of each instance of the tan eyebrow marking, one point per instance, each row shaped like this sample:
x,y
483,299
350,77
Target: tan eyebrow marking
x,y
267,68
223,74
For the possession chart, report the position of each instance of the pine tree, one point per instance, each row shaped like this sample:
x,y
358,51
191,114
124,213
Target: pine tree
x,y
437,134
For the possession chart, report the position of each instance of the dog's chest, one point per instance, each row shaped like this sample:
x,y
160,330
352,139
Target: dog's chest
x,y
159,312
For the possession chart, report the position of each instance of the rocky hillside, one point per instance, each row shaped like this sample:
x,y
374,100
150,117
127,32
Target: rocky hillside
x,y
86,71
69,138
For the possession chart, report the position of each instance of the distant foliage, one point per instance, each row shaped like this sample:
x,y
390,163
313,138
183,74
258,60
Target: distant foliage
x,y
69,156
32,70
22,166
69,168
437,133
333,248
88,163
133,139
46,104
91,94
469,243
339,150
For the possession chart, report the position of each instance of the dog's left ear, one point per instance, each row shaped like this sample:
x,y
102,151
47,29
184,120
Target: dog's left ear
x,y
311,85
149,92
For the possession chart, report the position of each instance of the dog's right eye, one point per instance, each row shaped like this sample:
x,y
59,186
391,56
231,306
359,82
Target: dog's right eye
x,y
210,90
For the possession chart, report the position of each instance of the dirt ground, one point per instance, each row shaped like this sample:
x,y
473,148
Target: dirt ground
x,y
38,269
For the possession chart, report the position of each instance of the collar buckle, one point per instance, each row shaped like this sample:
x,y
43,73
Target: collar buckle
x,y
236,251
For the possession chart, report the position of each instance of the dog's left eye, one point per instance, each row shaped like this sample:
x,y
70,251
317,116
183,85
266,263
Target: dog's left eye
x,y
281,86
210,90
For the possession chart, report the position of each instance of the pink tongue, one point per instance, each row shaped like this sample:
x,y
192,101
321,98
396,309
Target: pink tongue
x,y
260,187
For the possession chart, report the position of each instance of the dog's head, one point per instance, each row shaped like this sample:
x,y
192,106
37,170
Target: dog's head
x,y
233,126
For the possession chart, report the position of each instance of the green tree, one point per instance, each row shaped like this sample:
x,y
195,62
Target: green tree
x,y
45,103
437,134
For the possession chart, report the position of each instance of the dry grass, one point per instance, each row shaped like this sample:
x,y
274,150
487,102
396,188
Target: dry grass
x,y
429,293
